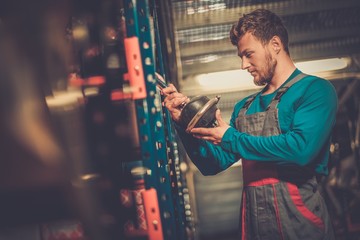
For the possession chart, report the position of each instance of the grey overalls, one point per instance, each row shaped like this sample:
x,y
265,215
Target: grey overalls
x,y
278,202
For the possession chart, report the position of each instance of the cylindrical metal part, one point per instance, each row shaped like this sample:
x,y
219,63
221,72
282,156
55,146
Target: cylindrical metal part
x,y
198,112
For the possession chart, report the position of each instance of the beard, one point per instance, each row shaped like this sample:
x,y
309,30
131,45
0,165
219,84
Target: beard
x,y
268,73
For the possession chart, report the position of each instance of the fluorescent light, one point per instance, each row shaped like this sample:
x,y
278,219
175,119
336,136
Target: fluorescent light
x,y
323,65
242,80
226,80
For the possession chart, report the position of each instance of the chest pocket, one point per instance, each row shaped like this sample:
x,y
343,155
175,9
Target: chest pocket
x,y
259,124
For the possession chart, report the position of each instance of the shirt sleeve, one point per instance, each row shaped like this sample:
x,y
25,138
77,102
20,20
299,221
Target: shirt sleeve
x,y
210,159
314,118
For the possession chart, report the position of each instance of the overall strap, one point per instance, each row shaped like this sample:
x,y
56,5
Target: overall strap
x,y
275,101
247,103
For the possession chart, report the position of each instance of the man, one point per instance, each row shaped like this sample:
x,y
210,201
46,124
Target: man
x,y
282,134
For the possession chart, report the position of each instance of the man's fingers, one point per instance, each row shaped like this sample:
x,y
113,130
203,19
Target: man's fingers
x,y
200,131
174,95
218,116
174,100
217,113
178,101
206,138
169,89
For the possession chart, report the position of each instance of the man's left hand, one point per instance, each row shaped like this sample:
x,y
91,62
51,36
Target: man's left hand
x,y
213,135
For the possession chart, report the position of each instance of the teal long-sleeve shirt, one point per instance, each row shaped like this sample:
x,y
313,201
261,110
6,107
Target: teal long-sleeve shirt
x,y
307,113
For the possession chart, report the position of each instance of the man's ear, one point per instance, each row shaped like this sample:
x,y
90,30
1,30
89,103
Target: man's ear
x,y
276,44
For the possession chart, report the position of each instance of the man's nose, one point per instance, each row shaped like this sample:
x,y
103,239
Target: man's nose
x,y
244,64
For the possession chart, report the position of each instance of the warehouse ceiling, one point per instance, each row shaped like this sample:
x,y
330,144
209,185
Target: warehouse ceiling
x,y
318,29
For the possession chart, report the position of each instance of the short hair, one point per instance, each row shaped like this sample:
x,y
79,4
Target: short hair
x,y
263,25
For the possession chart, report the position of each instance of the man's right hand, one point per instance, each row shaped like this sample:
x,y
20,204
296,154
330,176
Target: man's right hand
x,y
174,101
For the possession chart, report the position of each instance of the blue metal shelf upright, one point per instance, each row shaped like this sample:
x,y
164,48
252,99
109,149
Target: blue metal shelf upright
x,y
158,149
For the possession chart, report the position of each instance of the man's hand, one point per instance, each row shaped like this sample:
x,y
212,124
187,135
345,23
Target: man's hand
x,y
173,101
213,135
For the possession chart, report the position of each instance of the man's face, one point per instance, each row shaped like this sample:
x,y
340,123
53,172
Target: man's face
x,y
256,59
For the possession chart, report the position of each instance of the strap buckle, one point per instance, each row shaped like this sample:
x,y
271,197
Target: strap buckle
x,y
281,92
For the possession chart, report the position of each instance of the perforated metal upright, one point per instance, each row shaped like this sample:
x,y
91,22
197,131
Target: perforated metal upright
x,y
185,225
151,127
